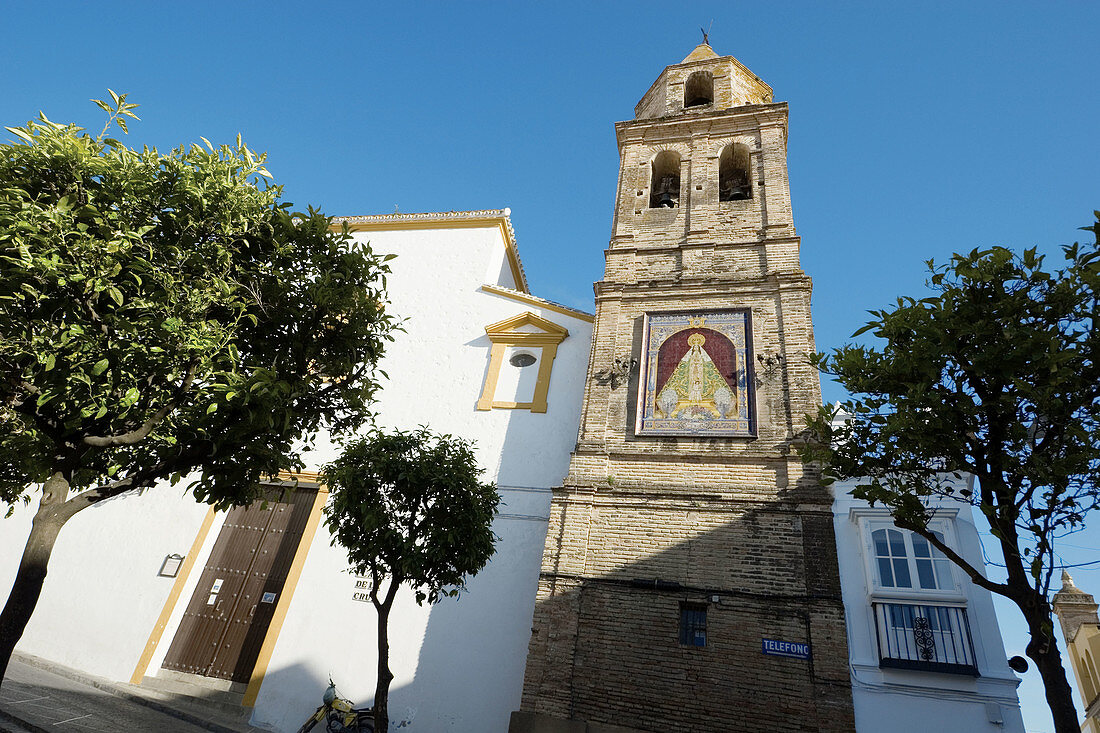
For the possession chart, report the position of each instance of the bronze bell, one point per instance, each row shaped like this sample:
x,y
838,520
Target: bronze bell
x,y
665,200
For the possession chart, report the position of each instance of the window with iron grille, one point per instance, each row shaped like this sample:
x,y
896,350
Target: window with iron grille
x,y
925,637
918,606
693,624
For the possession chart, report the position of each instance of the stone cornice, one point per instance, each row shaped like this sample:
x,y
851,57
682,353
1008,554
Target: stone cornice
x,y
687,289
762,114
869,512
629,244
698,499
708,451
304,479
393,221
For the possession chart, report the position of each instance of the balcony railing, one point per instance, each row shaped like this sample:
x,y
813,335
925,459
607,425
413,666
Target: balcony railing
x,y
930,638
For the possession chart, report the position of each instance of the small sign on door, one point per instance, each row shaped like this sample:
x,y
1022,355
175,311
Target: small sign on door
x,y
268,598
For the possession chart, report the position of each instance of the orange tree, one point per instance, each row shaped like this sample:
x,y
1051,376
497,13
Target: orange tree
x,y
161,316
996,374
410,509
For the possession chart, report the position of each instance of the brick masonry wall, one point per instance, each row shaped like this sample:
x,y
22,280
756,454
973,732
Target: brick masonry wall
x,y
734,519
625,664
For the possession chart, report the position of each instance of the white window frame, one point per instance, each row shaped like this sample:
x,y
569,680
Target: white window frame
x,y
871,519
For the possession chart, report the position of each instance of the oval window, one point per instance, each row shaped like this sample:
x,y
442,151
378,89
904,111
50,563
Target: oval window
x,y
522,360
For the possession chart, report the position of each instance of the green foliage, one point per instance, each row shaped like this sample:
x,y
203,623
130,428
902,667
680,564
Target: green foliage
x,y
409,507
996,374
166,313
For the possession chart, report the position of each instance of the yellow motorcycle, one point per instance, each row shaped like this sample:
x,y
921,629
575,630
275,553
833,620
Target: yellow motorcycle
x,y
340,715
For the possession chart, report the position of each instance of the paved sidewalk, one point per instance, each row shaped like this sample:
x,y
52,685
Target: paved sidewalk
x,y
46,698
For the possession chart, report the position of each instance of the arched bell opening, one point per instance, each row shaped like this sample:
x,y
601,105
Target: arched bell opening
x,y
734,173
699,89
664,188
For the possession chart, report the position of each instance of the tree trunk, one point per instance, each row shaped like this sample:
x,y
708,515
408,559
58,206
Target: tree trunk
x,y
1033,603
382,689
1043,650
32,568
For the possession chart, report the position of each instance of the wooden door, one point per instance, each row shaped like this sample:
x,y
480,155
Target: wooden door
x,y
226,620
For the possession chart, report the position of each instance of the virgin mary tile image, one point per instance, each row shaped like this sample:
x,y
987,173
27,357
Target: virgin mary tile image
x,y
695,374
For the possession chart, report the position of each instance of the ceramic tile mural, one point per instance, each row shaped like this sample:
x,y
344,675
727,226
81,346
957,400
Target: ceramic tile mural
x,y
696,372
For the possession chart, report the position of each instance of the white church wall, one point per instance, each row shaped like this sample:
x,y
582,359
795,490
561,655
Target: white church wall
x,y
438,366
102,593
914,701
499,272
458,665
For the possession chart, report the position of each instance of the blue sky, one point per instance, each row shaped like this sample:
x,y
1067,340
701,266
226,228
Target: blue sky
x,y
917,129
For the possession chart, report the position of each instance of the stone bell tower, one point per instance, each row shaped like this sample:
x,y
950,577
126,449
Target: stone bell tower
x,y
1076,611
689,580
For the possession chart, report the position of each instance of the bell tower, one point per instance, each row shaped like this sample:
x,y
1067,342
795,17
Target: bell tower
x,y
689,579
1076,611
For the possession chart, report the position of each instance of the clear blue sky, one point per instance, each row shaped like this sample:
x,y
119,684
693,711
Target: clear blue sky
x,y
916,129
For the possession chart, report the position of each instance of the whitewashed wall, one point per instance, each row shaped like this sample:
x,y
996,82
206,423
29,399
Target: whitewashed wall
x,y
904,701
458,665
102,594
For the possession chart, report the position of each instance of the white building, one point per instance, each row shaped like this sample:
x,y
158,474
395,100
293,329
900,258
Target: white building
x,y
924,646
480,358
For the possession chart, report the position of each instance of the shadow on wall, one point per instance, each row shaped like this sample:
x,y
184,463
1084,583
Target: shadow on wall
x,y
475,645
469,674
605,641
470,664
616,642
537,446
615,654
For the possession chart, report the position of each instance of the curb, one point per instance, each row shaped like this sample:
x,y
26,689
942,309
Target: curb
x,y
111,688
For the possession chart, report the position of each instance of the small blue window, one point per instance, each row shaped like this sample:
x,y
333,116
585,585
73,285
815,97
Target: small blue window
x,y
693,624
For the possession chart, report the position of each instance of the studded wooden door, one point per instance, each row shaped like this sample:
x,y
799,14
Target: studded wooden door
x,y
226,621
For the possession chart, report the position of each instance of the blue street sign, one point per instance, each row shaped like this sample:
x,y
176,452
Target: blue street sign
x,y
777,648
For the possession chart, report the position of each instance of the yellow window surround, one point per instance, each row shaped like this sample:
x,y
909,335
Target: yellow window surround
x,y
505,334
